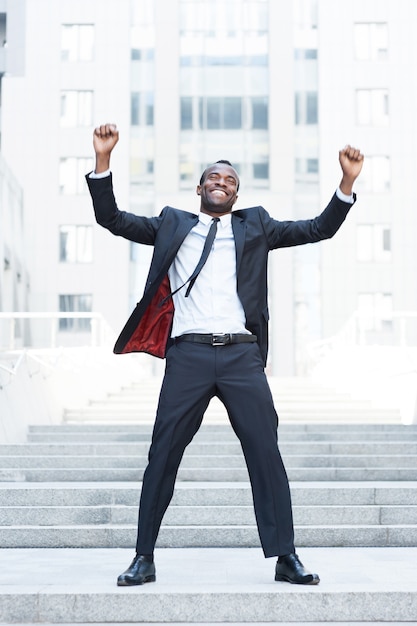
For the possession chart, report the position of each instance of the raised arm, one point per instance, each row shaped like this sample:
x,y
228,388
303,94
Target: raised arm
x,y
105,137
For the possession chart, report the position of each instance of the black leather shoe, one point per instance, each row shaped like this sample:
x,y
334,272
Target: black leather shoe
x,y
140,571
290,569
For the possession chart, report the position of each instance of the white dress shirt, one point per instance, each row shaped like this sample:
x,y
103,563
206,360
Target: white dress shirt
x,y
213,305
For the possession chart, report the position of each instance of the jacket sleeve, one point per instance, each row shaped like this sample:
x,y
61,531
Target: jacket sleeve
x,y
121,223
293,233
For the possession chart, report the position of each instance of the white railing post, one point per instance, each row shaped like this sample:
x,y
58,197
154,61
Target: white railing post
x,y
94,331
12,332
54,331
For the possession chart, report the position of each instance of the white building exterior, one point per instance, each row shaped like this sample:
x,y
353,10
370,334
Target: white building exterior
x,y
277,88
14,274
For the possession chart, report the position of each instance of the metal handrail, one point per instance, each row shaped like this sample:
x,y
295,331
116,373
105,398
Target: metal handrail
x,y
13,370
353,332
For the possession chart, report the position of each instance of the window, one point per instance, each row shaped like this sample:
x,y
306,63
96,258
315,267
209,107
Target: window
x,y
371,41
75,244
306,13
259,113
72,173
260,170
137,54
255,16
306,107
306,166
199,60
372,107
76,108
70,303
376,175
214,16
375,311
220,113
141,170
134,108
141,109
305,54
225,113
149,109
186,113
373,242
77,42
232,113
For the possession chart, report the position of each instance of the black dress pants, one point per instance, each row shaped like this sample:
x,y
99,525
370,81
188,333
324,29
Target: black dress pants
x,y
234,373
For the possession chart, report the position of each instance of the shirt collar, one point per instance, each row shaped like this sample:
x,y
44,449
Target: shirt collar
x,y
225,220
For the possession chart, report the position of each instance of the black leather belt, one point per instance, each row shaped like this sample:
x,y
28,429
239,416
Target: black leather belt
x,y
217,339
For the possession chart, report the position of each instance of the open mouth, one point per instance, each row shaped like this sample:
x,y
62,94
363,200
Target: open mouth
x,y
219,192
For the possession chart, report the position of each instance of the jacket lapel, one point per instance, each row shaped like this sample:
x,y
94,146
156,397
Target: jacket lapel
x,y
178,237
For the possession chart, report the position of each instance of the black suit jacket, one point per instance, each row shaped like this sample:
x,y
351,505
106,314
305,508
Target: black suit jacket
x,y
255,232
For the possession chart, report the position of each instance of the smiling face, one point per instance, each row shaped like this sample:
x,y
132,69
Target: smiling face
x,y
218,190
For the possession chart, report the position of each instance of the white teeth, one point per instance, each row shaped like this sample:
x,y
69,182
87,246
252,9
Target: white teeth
x,y
219,192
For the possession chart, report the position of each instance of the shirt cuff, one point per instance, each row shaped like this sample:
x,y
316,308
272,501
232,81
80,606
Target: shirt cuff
x,y
342,196
100,175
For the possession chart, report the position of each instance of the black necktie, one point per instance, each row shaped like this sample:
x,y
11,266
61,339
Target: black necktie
x,y
204,256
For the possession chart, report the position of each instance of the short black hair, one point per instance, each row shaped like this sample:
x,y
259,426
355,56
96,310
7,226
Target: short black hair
x,y
226,162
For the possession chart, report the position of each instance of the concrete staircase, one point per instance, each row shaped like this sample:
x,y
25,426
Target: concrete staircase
x,y
68,510
297,400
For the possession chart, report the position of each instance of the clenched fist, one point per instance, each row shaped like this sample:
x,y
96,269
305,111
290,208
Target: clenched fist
x,y
105,137
351,162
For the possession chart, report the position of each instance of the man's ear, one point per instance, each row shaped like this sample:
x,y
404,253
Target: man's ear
x,y
198,190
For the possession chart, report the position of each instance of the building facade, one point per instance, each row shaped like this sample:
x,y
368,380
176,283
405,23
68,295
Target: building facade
x,y
14,273
275,87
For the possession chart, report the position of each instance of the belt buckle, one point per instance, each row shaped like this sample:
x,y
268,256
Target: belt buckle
x,y
220,339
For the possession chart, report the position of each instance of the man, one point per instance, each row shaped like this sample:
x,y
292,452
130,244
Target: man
x,y
205,309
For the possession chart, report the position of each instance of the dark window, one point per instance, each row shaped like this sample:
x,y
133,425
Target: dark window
x,y
311,108
220,113
259,112
232,113
75,304
301,54
134,108
386,239
312,166
149,109
261,170
260,60
186,113
213,113
306,107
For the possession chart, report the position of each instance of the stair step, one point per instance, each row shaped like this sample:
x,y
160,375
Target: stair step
x,y
220,585
287,432
297,400
231,536
205,515
125,444
205,461
206,494
207,474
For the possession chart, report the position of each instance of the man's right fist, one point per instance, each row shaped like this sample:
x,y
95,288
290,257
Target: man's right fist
x,y
105,137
